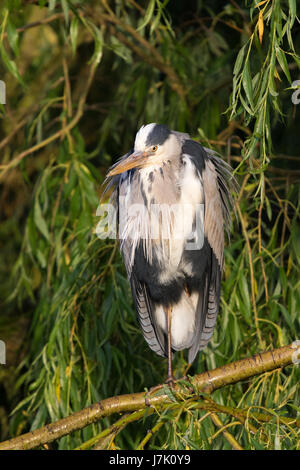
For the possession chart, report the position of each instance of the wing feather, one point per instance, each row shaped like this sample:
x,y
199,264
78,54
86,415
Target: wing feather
x,y
153,334
144,307
217,181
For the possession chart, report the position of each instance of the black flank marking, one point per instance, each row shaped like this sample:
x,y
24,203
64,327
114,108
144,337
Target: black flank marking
x,y
196,152
169,291
160,293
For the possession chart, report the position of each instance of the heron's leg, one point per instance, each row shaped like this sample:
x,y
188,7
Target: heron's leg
x,y
170,378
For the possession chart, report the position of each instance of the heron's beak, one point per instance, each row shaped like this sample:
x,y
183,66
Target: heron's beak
x,y
135,160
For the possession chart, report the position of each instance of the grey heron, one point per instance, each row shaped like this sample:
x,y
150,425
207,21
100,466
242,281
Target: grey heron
x,y
172,243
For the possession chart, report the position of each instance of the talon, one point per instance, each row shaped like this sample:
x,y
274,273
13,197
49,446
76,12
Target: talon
x,y
170,381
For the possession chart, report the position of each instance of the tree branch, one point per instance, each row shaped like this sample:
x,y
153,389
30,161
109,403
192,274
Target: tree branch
x,y
206,382
80,109
143,48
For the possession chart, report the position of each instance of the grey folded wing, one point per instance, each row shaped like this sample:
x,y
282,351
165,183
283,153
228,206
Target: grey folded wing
x,y
145,310
217,183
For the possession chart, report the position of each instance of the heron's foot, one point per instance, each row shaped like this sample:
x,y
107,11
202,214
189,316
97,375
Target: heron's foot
x,y
170,381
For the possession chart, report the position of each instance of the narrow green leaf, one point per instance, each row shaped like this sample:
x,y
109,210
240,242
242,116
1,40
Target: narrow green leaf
x,y
292,6
245,105
39,220
65,8
11,66
272,88
23,402
283,63
148,15
52,4
98,38
239,61
295,236
258,128
269,209
13,36
247,84
41,258
155,22
74,33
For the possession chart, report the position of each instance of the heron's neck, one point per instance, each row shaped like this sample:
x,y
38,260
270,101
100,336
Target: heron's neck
x,y
160,183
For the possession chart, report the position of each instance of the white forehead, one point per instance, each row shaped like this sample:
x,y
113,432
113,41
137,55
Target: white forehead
x,y
141,136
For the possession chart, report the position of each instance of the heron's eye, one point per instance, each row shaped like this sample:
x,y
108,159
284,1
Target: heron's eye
x,y
154,148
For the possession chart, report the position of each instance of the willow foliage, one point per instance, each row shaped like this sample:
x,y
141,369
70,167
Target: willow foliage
x,y
81,77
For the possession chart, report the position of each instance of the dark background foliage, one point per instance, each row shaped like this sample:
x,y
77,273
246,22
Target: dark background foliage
x,y
81,77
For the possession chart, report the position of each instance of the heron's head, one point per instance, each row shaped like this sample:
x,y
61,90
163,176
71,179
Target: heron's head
x,y
154,143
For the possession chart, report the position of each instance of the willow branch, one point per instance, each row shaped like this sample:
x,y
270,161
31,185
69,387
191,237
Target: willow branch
x,y
244,414
223,429
245,233
113,429
62,132
44,21
206,382
140,45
